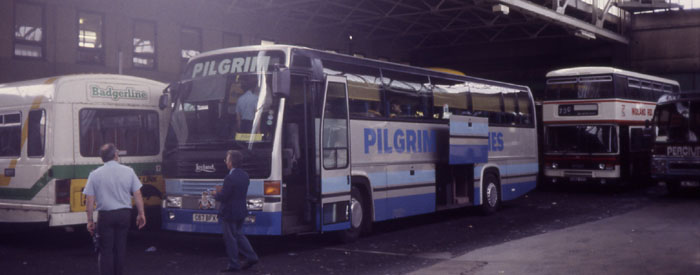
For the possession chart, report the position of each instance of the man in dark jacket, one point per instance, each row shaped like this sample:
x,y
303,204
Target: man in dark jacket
x,y
232,213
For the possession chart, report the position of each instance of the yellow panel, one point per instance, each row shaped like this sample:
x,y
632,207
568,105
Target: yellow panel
x,y
77,199
152,190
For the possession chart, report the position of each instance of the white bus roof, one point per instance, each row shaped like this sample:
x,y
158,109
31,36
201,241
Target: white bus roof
x,y
24,92
582,71
288,48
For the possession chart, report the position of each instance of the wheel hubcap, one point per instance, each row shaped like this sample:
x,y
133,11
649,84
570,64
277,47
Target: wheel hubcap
x,y
356,212
492,194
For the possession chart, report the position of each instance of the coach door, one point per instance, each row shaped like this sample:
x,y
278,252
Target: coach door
x,y
335,156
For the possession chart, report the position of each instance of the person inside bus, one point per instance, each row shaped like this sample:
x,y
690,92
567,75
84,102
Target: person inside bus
x,y
232,195
395,110
246,105
373,110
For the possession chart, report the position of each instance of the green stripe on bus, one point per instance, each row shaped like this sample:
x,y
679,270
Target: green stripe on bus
x,y
68,172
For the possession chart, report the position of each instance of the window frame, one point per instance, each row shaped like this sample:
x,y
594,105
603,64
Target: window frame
x,y
43,137
16,41
19,124
153,55
100,52
184,60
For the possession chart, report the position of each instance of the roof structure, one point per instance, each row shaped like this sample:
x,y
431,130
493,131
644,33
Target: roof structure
x,y
439,23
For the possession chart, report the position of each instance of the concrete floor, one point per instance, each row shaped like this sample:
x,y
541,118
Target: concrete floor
x,y
663,238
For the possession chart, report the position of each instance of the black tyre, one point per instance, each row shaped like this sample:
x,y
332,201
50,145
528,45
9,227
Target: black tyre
x,y
358,217
673,188
491,195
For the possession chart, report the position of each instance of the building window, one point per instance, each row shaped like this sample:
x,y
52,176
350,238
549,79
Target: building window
x,y
232,40
90,38
144,55
29,30
191,43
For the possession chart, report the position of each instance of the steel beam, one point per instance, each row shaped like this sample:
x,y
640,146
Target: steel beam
x,y
564,20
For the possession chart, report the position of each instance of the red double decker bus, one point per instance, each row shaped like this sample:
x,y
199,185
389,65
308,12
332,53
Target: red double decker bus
x,y
594,120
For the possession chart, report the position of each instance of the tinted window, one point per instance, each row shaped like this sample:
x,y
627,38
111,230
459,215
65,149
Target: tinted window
x,y
10,135
486,102
36,134
408,95
525,109
134,132
450,97
363,88
509,101
335,127
586,88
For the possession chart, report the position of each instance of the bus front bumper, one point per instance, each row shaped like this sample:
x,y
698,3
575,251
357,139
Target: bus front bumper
x,y
183,220
55,215
582,176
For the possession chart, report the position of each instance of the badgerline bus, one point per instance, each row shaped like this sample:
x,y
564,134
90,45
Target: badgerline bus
x,y
676,154
334,142
593,122
51,130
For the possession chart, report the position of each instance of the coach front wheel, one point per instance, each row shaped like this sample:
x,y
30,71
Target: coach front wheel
x,y
357,217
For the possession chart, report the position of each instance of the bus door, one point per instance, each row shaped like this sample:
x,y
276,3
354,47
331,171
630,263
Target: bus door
x,y
335,156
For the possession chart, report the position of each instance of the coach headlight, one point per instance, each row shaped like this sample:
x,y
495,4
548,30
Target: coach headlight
x,y
173,201
255,204
555,165
601,166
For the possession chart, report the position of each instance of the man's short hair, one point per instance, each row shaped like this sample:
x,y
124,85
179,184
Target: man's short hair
x,y
235,157
108,151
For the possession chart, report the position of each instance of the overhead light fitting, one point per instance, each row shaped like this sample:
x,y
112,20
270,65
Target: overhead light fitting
x,y
585,34
500,8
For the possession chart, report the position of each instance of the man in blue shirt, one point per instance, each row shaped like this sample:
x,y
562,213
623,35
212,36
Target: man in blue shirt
x,y
112,186
234,209
246,106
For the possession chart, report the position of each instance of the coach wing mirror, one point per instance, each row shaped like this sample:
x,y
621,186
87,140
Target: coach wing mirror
x,y
647,124
280,81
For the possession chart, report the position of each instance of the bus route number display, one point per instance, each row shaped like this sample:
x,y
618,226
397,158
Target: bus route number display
x,y
578,110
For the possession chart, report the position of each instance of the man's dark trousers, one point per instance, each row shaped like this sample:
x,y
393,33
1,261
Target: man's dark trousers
x,y
235,241
112,227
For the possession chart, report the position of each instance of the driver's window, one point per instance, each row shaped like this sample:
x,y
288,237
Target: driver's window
x,y
335,128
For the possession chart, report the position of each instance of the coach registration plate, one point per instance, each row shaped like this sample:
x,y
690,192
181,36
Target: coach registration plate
x,y
196,217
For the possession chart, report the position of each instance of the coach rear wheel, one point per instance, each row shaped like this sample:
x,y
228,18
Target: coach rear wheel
x,y
491,197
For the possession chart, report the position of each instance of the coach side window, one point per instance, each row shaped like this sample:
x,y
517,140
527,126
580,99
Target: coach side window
x,y
134,132
363,88
36,133
509,103
449,97
407,95
486,102
525,109
10,134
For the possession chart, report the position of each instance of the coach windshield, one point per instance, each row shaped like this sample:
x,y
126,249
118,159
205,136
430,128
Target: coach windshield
x,y
581,139
226,99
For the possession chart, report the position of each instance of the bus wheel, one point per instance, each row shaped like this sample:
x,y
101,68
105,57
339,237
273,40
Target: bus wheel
x,y
491,197
357,217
